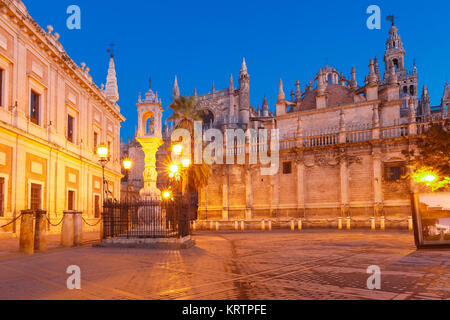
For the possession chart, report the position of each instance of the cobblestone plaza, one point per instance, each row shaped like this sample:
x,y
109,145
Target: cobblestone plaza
x,y
280,265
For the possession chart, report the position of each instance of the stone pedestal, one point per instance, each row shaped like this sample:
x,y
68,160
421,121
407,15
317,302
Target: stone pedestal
x,y
27,225
40,237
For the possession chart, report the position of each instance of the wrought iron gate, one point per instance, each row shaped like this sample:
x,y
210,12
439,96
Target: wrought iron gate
x,y
145,219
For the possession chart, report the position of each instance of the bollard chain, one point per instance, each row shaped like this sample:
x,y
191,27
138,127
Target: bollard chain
x,y
91,225
11,222
54,225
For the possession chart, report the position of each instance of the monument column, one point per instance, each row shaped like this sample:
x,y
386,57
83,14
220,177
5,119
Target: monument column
x,y
150,138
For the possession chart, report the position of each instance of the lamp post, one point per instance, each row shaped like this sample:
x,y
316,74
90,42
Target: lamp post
x,y
127,164
103,154
181,176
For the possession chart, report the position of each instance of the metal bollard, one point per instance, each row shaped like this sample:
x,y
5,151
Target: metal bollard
x,y
292,225
372,223
270,225
242,225
382,223
340,223
217,225
263,225
349,223
410,224
300,224
236,225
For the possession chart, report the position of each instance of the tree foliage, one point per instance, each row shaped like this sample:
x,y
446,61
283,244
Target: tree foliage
x,y
433,156
186,110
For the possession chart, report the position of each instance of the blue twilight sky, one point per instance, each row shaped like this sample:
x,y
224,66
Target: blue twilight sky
x,y
202,41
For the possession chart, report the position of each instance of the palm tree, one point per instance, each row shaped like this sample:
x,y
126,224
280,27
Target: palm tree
x,y
186,110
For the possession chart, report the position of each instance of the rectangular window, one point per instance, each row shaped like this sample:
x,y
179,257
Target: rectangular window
x,y
287,167
71,200
394,171
2,197
35,196
95,142
97,206
35,107
70,121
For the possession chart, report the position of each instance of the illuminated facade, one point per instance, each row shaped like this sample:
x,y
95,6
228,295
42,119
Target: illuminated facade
x,y
52,117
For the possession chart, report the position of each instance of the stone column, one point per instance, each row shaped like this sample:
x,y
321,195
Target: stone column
x,y
344,186
248,193
377,183
225,177
301,188
150,146
27,225
275,190
40,237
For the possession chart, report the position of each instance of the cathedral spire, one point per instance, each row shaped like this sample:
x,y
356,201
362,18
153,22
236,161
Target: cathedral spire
x,y
244,67
298,93
353,82
281,95
111,88
372,78
176,89
265,107
231,83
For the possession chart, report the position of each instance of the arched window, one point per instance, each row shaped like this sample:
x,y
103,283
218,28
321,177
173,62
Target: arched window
x,y
395,62
411,90
207,118
330,78
405,89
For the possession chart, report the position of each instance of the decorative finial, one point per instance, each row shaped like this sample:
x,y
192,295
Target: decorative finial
x,y
391,18
111,49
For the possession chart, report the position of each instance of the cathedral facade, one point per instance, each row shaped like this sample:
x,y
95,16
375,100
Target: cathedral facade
x,y
341,144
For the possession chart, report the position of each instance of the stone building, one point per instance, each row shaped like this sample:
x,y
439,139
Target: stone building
x,y
340,144
52,117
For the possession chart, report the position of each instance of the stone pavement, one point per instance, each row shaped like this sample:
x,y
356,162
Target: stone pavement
x,y
312,264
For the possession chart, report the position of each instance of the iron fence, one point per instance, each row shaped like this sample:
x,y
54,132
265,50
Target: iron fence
x,y
145,219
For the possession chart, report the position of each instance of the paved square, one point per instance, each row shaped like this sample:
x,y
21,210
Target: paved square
x,y
312,264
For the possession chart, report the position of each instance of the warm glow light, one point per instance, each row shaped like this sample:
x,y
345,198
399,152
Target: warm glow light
x,y
167,194
186,163
171,175
173,169
177,149
102,151
429,178
127,164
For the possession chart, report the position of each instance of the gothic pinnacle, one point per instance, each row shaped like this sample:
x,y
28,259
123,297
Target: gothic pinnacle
x,y
281,95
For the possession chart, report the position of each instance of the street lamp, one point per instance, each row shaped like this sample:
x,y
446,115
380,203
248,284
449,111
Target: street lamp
x,y
127,164
177,149
103,154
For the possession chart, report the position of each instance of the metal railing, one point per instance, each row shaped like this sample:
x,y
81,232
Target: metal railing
x,y
144,219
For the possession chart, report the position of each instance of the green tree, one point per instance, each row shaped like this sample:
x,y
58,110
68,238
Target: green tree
x,y
186,110
433,157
